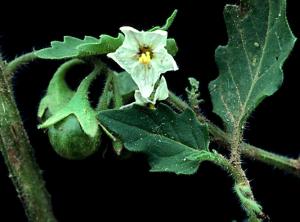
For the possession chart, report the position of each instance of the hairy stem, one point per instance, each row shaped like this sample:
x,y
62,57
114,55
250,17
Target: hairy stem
x,y
281,162
118,103
242,186
15,64
289,165
118,100
107,93
110,93
235,143
18,153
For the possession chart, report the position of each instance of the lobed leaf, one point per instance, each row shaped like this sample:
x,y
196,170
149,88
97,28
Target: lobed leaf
x,y
74,47
250,66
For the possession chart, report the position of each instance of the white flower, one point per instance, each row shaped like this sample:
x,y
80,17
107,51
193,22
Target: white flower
x,y
144,57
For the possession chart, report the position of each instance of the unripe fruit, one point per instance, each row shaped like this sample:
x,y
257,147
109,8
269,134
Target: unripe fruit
x,y
69,140
72,125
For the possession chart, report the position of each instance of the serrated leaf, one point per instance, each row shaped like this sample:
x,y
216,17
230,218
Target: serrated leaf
x,y
105,45
74,47
167,138
250,66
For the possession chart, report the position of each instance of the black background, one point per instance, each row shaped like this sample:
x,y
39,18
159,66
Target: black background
x,y
107,188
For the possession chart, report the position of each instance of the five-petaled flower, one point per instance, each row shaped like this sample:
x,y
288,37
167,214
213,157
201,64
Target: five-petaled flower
x,y
144,57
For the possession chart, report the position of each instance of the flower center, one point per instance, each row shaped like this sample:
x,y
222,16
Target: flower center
x,y
145,55
145,58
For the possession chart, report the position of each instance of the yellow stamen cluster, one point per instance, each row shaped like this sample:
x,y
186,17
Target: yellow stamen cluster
x,y
145,58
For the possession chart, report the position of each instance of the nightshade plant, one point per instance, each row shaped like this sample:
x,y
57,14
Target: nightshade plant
x,y
137,111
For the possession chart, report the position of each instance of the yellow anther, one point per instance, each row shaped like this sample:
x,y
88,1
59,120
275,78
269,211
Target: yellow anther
x,y
145,58
152,106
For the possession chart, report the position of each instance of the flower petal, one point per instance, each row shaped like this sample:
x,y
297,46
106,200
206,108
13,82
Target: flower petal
x,y
126,58
156,40
163,61
133,38
162,91
139,99
145,76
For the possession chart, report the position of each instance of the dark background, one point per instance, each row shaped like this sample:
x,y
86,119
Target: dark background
x,y
105,188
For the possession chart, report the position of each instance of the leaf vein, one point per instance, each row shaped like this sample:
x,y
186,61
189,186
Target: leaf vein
x,y
229,114
151,134
242,114
239,30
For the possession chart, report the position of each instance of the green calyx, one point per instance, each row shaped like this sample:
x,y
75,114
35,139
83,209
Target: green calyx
x,y
71,121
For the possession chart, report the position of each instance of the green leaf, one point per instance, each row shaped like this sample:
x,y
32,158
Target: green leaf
x,y
250,66
74,47
168,23
172,46
170,140
105,45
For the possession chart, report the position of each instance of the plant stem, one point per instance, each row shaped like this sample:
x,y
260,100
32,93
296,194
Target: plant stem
x,y
111,92
106,96
118,103
242,184
18,153
15,64
118,100
281,162
289,165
